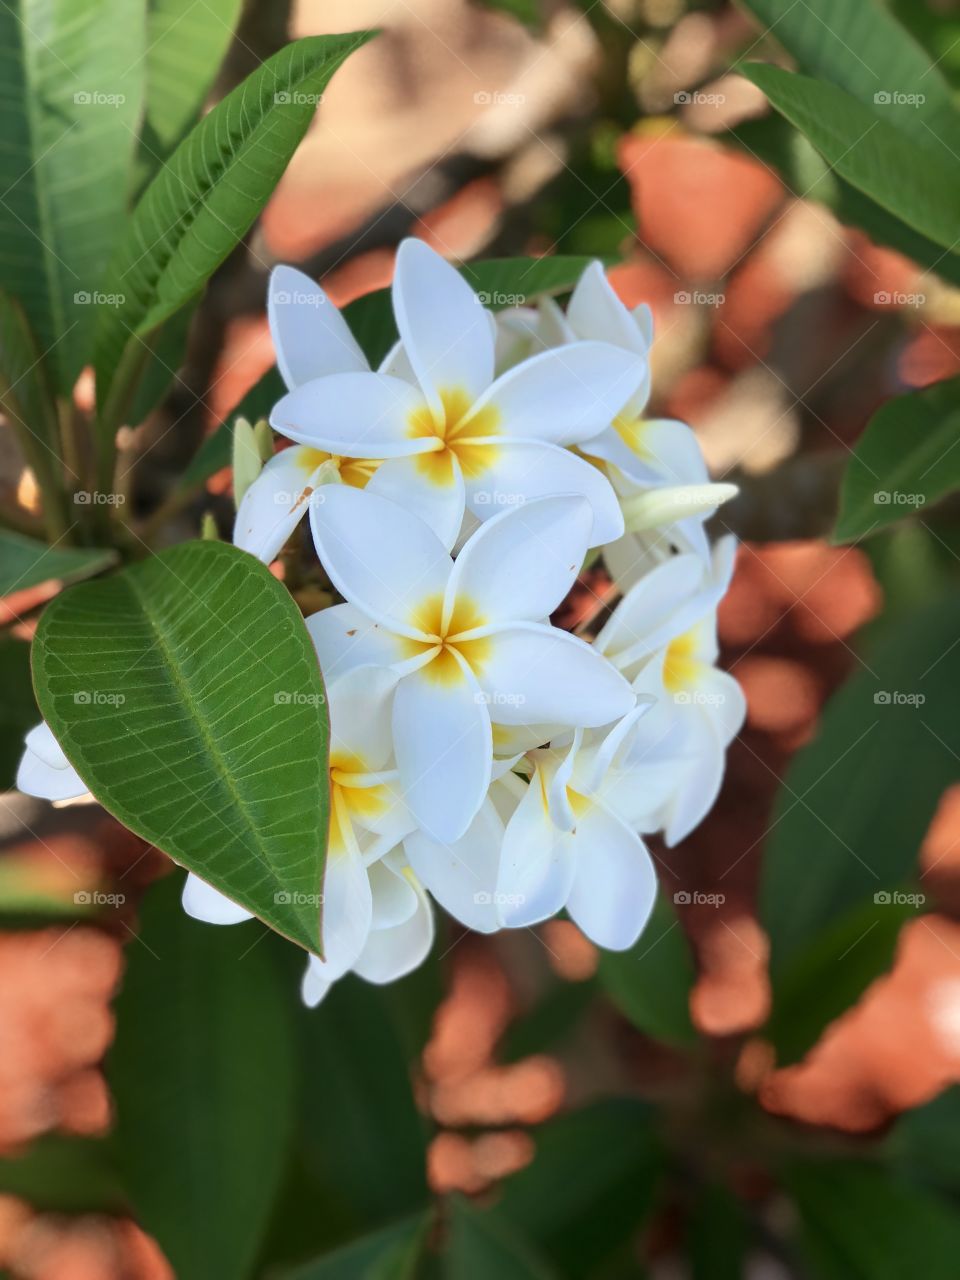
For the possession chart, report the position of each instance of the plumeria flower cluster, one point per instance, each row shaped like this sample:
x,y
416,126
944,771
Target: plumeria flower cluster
x,y
481,757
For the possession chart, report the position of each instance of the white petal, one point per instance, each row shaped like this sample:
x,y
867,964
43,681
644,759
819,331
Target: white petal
x,y
397,364
462,876
345,638
520,564
44,770
276,502
697,787
391,953
347,912
443,327
443,743
380,557
522,471
394,897
204,902
361,704
721,700
565,395
615,884
537,863
314,985
538,674
667,453
310,336
595,311
431,485
355,415
663,604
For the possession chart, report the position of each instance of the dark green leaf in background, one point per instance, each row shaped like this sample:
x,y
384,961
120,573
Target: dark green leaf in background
x,y
908,457
857,1222
186,693
25,562
203,1076
856,802
650,984
481,1245
72,77
391,1253
206,198
64,1175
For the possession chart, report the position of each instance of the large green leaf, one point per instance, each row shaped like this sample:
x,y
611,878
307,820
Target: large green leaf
x,y
829,974
187,694
206,197
908,456
186,43
65,1175
25,562
860,1223
481,1245
364,1118
389,1254
203,1076
861,48
918,183
923,1143
775,142
501,282
72,75
18,709
651,983
26,393
856,802
590,1186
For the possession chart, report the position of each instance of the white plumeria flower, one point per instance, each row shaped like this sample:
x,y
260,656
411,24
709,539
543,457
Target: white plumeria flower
x,y
400,934
45,772
311,340
467,638
566,844
454,437
663,636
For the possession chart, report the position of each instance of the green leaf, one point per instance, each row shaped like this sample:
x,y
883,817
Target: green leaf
x,y
937,30
25,562
830,974
186,43
923,1143
167,351
26,393
186,693
774,142
203,1076
718,1235
650,984
500,280
389,1254
908,456
64,1175
856,802
18,710
206,198
72,74
918,183
861,48
364,1118
590,1186
480,1245
859,1223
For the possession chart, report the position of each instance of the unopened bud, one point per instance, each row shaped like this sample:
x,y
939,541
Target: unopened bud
x,y
247,462
264,439
208,528
657,507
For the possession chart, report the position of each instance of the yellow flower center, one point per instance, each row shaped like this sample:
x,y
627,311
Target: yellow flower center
x,y
681,662
447,644
458,433
354,797
355,472
633,432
